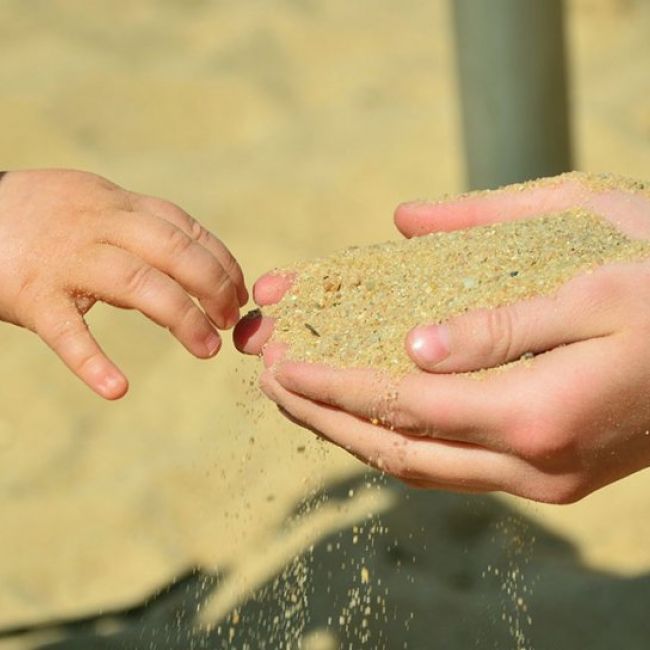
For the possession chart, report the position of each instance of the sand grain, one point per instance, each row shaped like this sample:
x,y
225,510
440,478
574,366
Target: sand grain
x,y
355,307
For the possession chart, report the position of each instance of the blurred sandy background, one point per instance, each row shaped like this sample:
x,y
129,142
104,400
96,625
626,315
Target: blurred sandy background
x,y
290,128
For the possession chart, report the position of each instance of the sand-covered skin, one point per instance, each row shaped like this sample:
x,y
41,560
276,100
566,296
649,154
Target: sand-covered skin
x,y
355,307
596,182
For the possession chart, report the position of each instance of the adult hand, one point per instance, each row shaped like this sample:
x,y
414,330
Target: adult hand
x,y
573,419
68,239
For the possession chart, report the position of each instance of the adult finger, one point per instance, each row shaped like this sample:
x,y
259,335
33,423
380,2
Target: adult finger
x,y
62,327
168,248
190,226
252,332
453,408
583,308
482,208
271,287
421,459
124,280
544,446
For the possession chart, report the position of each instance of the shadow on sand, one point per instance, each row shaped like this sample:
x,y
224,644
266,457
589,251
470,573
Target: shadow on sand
x,y
435,570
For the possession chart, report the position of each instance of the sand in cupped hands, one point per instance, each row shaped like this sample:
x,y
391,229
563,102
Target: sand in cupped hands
x,y
355,307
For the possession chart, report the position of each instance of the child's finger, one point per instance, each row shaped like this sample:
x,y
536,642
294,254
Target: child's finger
x,y
191,227
124,280
61,326
481,208
171,250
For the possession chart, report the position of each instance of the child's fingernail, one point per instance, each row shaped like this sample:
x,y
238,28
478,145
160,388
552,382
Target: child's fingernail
x,y
429,345
232,318
212,343
111,384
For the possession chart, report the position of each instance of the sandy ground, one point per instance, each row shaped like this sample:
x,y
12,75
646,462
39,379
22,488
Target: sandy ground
x,y
290,129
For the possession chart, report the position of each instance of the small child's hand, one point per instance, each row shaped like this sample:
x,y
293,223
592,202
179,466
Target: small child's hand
x,y
69,239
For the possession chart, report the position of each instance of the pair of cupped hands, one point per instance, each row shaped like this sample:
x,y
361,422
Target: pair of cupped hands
x,y
573,420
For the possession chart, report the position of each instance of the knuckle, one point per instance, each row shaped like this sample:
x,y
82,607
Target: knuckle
x,y
214,273
138,279
404,413
414,424
493,334
384,407
399,463
59,331
102,181
166,210
543,439
187,220
86,361
600,290
177,215
230,264
398,419
560,490
223,283
27,294
568,490
178,243
396,467
198,232
188,315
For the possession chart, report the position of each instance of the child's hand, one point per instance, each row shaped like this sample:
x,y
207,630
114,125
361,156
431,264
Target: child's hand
x,y
69,239
574,420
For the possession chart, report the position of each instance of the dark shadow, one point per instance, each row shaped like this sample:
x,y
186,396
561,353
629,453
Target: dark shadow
x,y
436,571
165,620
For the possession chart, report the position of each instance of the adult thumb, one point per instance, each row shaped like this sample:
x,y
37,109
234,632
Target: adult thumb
x,y
486,338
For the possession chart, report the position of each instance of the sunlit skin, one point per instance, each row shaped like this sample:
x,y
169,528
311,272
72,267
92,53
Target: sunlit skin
x,y
69,239
573,420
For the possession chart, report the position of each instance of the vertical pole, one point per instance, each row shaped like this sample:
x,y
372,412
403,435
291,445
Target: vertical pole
x,y
513,87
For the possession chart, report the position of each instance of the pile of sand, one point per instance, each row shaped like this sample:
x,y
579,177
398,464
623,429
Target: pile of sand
x,y
355,307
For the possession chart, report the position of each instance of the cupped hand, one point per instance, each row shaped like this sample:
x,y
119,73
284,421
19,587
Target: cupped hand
x,y
574,418
69,239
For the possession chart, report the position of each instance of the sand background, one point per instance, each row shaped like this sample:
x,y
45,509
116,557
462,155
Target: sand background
x,y
290,129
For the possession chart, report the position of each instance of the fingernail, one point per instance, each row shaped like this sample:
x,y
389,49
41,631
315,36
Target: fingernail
x,y
429,345
212,343
253,314
232,317
111,383
245,297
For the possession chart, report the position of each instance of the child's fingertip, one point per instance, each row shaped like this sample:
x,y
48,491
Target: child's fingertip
x,y
212,344
232,317
243,295
112,385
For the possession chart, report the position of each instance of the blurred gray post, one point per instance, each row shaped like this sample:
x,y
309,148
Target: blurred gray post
x,y
513,87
